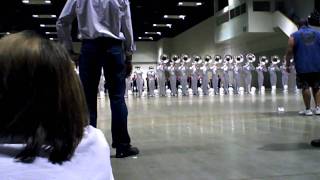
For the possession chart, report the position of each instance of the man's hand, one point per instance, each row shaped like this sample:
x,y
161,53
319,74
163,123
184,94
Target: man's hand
x,y
128,65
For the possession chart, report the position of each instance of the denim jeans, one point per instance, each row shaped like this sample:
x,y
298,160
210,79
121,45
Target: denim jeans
x,y
108,54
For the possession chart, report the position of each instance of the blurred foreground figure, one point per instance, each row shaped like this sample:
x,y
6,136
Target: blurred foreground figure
x,y
44,115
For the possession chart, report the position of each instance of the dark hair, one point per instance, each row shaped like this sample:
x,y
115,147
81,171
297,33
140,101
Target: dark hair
x,y
302,22
41,98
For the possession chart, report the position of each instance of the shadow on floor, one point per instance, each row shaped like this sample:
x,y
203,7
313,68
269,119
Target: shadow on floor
x,y
288,147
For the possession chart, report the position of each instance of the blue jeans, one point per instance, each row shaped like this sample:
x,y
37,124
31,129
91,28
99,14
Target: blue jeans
x,y
108,54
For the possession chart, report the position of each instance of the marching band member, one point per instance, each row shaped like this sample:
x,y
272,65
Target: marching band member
x,y
161,75
151,81
205,69
139,76
215,73
237,73
195,74
173,76
247,69
227,68
284,76
261,69
183,74
273,68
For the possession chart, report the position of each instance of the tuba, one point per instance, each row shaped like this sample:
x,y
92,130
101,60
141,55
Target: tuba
x,y
197,59
251,58
228,59
185,58
164,58
208,59
275,60
175,59
217,59
263,60
239,59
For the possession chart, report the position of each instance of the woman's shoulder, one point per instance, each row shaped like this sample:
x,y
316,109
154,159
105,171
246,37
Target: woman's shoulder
x,y
91,160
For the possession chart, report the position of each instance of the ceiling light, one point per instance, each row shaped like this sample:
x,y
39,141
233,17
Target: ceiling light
x,y
190,4
53,39
162,25
4,33
36,2
44,16
48,25
51,33
145,38
153,33
174,16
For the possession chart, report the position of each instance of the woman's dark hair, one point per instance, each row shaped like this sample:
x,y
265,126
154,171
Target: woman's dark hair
x,y
41,98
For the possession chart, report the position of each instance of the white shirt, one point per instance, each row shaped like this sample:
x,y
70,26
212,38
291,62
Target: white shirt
x,y
91,160
97,18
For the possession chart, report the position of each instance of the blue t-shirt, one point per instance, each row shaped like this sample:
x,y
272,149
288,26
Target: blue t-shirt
x,y
307,50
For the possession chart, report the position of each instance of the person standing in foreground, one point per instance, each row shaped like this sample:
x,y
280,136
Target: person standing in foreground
x,y
304,47
105,28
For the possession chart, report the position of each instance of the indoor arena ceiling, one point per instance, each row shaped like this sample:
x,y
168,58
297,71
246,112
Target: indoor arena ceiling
x,y
176,16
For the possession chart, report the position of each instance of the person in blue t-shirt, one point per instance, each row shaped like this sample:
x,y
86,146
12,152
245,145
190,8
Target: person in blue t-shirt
x,y
304,48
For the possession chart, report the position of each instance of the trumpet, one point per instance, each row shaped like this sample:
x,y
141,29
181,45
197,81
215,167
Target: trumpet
x,y
228,59
208,59
239,59
217,59
275,60
164,58
263,60
251,58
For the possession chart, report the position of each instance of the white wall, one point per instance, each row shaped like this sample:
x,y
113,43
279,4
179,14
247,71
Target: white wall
x,y
146,52
197,40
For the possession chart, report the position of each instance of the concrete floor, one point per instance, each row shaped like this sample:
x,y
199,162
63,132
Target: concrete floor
x,y
218,138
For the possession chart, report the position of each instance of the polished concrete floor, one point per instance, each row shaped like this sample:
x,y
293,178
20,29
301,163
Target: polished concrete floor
x,y
218,138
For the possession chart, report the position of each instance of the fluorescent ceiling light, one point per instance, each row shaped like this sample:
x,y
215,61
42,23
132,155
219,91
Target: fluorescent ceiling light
x,y
4,33
190,4
53,39
153,33
44,16
174,16
48,25
145,38
51,33
162,25
36,2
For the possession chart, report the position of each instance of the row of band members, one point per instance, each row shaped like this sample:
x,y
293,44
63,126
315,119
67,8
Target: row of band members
x,y
211,72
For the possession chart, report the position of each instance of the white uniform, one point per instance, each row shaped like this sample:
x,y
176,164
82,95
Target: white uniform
x,y
139,80
194,79
183,75
204,74
247,68
237,77
215,78
227,68
285,76
261,69
173,80
293,73
152,82
273,68
128,86
161,75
